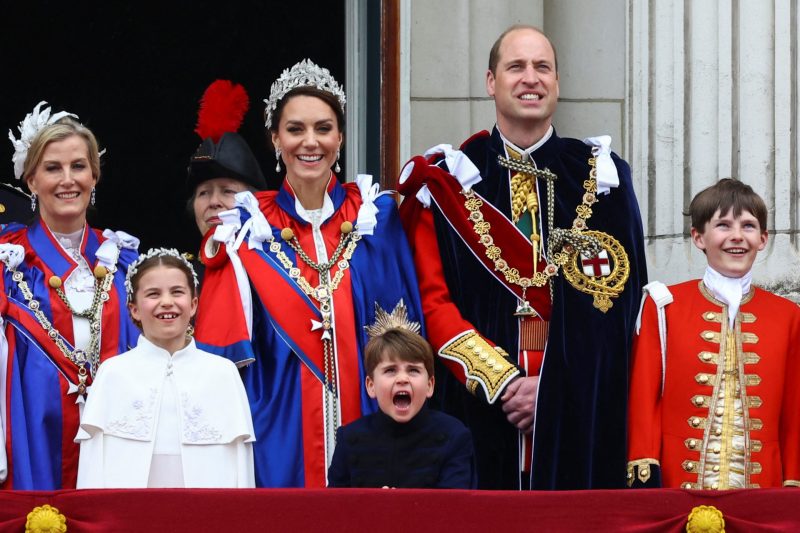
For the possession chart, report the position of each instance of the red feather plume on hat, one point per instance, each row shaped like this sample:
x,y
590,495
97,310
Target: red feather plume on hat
x,y
222,109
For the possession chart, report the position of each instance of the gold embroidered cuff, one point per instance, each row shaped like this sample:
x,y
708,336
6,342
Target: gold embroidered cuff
x,y
484,364
791,483
640,469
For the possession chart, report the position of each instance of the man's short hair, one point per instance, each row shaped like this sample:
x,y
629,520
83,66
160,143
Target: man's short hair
x,y
494,53
726,195
398,343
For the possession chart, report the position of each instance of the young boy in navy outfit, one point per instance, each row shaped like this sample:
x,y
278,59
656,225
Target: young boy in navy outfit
x,y
405,444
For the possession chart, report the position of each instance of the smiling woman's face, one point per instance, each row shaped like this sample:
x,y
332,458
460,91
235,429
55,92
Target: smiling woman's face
x,y
309,138
63,184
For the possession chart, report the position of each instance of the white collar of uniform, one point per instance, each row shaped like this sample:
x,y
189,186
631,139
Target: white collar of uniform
x,y
308,214
144,342
525,153
729,291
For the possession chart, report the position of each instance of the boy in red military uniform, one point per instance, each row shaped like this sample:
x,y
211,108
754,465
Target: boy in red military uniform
x,y
711,401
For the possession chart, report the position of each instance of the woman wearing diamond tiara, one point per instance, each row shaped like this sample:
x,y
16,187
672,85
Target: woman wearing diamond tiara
x,y
165,414
310,263
62,302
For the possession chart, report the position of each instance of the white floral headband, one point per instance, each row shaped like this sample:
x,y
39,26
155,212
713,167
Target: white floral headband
x,y
33,123
155,252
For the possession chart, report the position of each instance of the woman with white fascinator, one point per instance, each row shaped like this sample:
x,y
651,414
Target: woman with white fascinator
x,y
311,265
62,302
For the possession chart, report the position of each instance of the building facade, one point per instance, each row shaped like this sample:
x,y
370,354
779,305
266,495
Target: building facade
x,y
690,91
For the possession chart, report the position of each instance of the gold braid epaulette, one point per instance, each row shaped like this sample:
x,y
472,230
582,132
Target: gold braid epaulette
x,y
486,365
641,469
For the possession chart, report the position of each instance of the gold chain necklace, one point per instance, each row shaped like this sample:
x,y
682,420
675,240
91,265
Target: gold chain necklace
x,y
561,243
83,359
88,313
322,293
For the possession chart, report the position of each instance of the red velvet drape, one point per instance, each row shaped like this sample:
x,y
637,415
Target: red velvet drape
x,y
331,511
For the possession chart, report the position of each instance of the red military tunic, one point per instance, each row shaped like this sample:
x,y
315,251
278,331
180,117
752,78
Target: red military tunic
x,y
729,412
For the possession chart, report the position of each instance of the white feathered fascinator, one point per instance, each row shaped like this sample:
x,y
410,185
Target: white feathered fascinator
x,y
28,128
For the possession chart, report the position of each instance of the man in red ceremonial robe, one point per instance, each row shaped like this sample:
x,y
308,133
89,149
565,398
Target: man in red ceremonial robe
x,y
529,251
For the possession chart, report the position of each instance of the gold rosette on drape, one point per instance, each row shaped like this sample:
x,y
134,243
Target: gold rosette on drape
x,y
705,519
45,519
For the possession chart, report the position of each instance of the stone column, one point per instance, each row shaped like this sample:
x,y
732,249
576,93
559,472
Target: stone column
x,y
713,93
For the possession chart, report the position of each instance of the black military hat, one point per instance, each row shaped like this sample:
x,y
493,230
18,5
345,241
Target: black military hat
x,y
223,152
231,157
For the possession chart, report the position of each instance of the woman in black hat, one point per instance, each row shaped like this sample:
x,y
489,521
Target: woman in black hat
x,y
223,164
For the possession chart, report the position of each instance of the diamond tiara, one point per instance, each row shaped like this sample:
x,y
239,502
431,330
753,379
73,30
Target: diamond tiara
x,y
306,73
155,252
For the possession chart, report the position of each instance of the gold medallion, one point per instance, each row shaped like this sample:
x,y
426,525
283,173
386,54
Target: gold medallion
x,y
603,275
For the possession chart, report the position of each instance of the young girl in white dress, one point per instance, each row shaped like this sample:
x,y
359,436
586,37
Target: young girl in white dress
x,y
165,414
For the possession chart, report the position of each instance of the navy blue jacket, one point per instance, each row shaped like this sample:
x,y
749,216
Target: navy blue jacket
x,y
432,450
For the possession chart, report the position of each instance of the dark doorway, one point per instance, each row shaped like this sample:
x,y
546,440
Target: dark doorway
x,y
134,73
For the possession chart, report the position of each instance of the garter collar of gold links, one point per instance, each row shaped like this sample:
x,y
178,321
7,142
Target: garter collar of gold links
x,y
561,242
83,359
322,293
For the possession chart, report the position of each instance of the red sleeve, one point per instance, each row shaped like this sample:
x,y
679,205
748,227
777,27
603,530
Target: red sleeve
x,y
443,320
644,402
790,410
221,324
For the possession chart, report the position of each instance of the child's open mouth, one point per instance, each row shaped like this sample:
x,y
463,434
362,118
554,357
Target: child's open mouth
x,y
402,399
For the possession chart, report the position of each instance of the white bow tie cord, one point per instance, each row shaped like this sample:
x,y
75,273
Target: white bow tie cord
x,y
607,176
458,164
367,219
108,252
11,254
260,231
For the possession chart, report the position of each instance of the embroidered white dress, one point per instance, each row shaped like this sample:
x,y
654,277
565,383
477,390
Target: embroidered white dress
x,y
152,419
